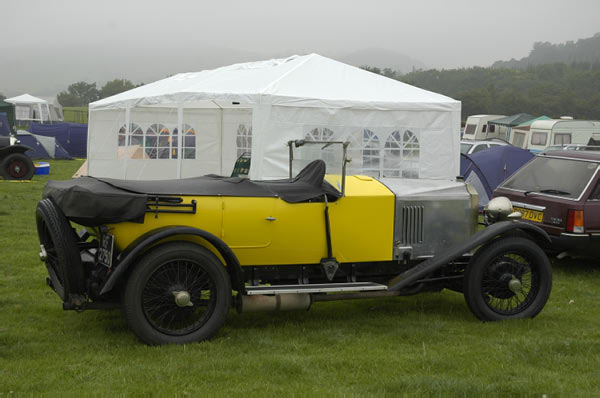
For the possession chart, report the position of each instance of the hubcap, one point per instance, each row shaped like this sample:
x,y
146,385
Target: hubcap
x,y
514,285
182,298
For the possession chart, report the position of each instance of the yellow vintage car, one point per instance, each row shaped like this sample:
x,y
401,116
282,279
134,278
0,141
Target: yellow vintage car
x,y
176,255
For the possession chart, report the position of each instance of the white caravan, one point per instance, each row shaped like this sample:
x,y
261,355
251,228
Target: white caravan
x,y
561,132
477,128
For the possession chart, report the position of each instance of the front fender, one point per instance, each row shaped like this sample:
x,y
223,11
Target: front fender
x,y
485,235
127,257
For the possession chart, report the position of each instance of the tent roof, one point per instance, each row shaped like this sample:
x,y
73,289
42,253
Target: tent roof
x,y
529,122
26,99
306,81
513,120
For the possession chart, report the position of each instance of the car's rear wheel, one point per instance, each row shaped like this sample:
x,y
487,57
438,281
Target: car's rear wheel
x,y
178,293
509,278
17,166
58,246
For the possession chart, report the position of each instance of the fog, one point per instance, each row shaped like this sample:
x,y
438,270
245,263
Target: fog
x,y
47,45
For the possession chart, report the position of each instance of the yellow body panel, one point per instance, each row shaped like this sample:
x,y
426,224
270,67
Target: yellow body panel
x,y
270,231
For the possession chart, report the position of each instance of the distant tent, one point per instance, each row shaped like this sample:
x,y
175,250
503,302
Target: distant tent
x,y
487,169
42,147
513,120
72,136
4,124
9,109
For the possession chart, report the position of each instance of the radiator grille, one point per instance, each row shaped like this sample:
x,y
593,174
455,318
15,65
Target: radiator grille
x,y
412,225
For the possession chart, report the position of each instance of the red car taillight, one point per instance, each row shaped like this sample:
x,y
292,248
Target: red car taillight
x,y
575,221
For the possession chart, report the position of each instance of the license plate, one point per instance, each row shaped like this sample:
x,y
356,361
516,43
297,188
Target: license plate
x,y
531,215
105,251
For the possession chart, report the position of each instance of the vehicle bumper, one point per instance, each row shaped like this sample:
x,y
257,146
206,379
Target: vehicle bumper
x,y
572,242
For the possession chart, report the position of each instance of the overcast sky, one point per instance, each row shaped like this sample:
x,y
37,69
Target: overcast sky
x,y
47,44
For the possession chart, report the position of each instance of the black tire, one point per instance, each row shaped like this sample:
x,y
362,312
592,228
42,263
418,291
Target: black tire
x,y
508,279
63,259
150,305
17,166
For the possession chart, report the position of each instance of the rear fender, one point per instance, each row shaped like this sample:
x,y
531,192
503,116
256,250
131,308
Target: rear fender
x,y
9,150
135,249
485,235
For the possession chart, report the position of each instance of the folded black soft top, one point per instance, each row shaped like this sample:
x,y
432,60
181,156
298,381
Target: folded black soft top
x,y
94,201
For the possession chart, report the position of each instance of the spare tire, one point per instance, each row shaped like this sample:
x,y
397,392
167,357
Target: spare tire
x,y
59,249
17,166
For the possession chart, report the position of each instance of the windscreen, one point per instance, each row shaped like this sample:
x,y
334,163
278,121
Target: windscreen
x,y
464,148
553,176
332,153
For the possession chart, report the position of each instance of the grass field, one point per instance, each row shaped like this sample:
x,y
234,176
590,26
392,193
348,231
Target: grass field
x,y
422,345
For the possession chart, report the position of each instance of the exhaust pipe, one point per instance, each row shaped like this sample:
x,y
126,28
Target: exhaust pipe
x,y
276,302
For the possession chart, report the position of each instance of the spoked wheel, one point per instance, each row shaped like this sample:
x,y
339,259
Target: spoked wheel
x,y
510,278
178,293
17,166
58,250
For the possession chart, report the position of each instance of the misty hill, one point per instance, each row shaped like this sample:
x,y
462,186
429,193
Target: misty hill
x,y
382,58
583,51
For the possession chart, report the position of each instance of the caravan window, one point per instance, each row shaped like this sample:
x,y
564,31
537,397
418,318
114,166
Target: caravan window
x,y
562,139
470,129
492,128
538,138
484,128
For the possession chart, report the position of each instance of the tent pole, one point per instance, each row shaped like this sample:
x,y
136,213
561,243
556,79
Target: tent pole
x,y
49,115
221,138
179,138
40,115
127,138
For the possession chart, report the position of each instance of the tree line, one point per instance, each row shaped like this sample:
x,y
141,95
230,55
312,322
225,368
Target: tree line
x,y
552,89
82,93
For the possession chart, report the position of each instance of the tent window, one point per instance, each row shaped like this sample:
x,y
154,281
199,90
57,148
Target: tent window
x,y
371,153
319,134
151,140
134,129
189,142
164,145
401,155
519,139
244,140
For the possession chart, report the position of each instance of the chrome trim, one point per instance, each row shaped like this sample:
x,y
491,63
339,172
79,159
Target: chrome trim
x,y
528,206
583,235
315,288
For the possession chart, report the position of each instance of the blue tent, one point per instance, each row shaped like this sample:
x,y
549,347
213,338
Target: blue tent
x,y
42,147
72,136
487,169
4,126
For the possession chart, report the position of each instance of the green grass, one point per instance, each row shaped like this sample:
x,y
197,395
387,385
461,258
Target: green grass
x,y
423,345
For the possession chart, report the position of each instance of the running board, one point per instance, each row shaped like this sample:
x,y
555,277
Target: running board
x,y
315,288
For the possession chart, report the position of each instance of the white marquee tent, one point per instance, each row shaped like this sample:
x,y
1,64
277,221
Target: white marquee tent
x,y
193,124
30,108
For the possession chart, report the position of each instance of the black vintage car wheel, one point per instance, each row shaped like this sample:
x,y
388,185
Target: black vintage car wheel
x,y
178,293
509,278
59,250
17,166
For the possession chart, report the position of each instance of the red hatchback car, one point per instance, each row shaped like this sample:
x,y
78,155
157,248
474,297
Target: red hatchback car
x,y
560,192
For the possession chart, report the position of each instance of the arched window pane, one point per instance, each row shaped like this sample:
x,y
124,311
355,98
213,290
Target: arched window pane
x,y
319,134
371,153
244,140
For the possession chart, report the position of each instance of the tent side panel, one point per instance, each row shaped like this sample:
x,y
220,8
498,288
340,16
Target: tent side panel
x,y
409,144
201,145
103,145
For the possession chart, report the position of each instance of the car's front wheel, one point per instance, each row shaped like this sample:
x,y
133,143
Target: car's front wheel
x,y
17,166
178,293
509,278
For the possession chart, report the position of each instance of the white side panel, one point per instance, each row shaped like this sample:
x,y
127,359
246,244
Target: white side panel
x,y
103,135
410,144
